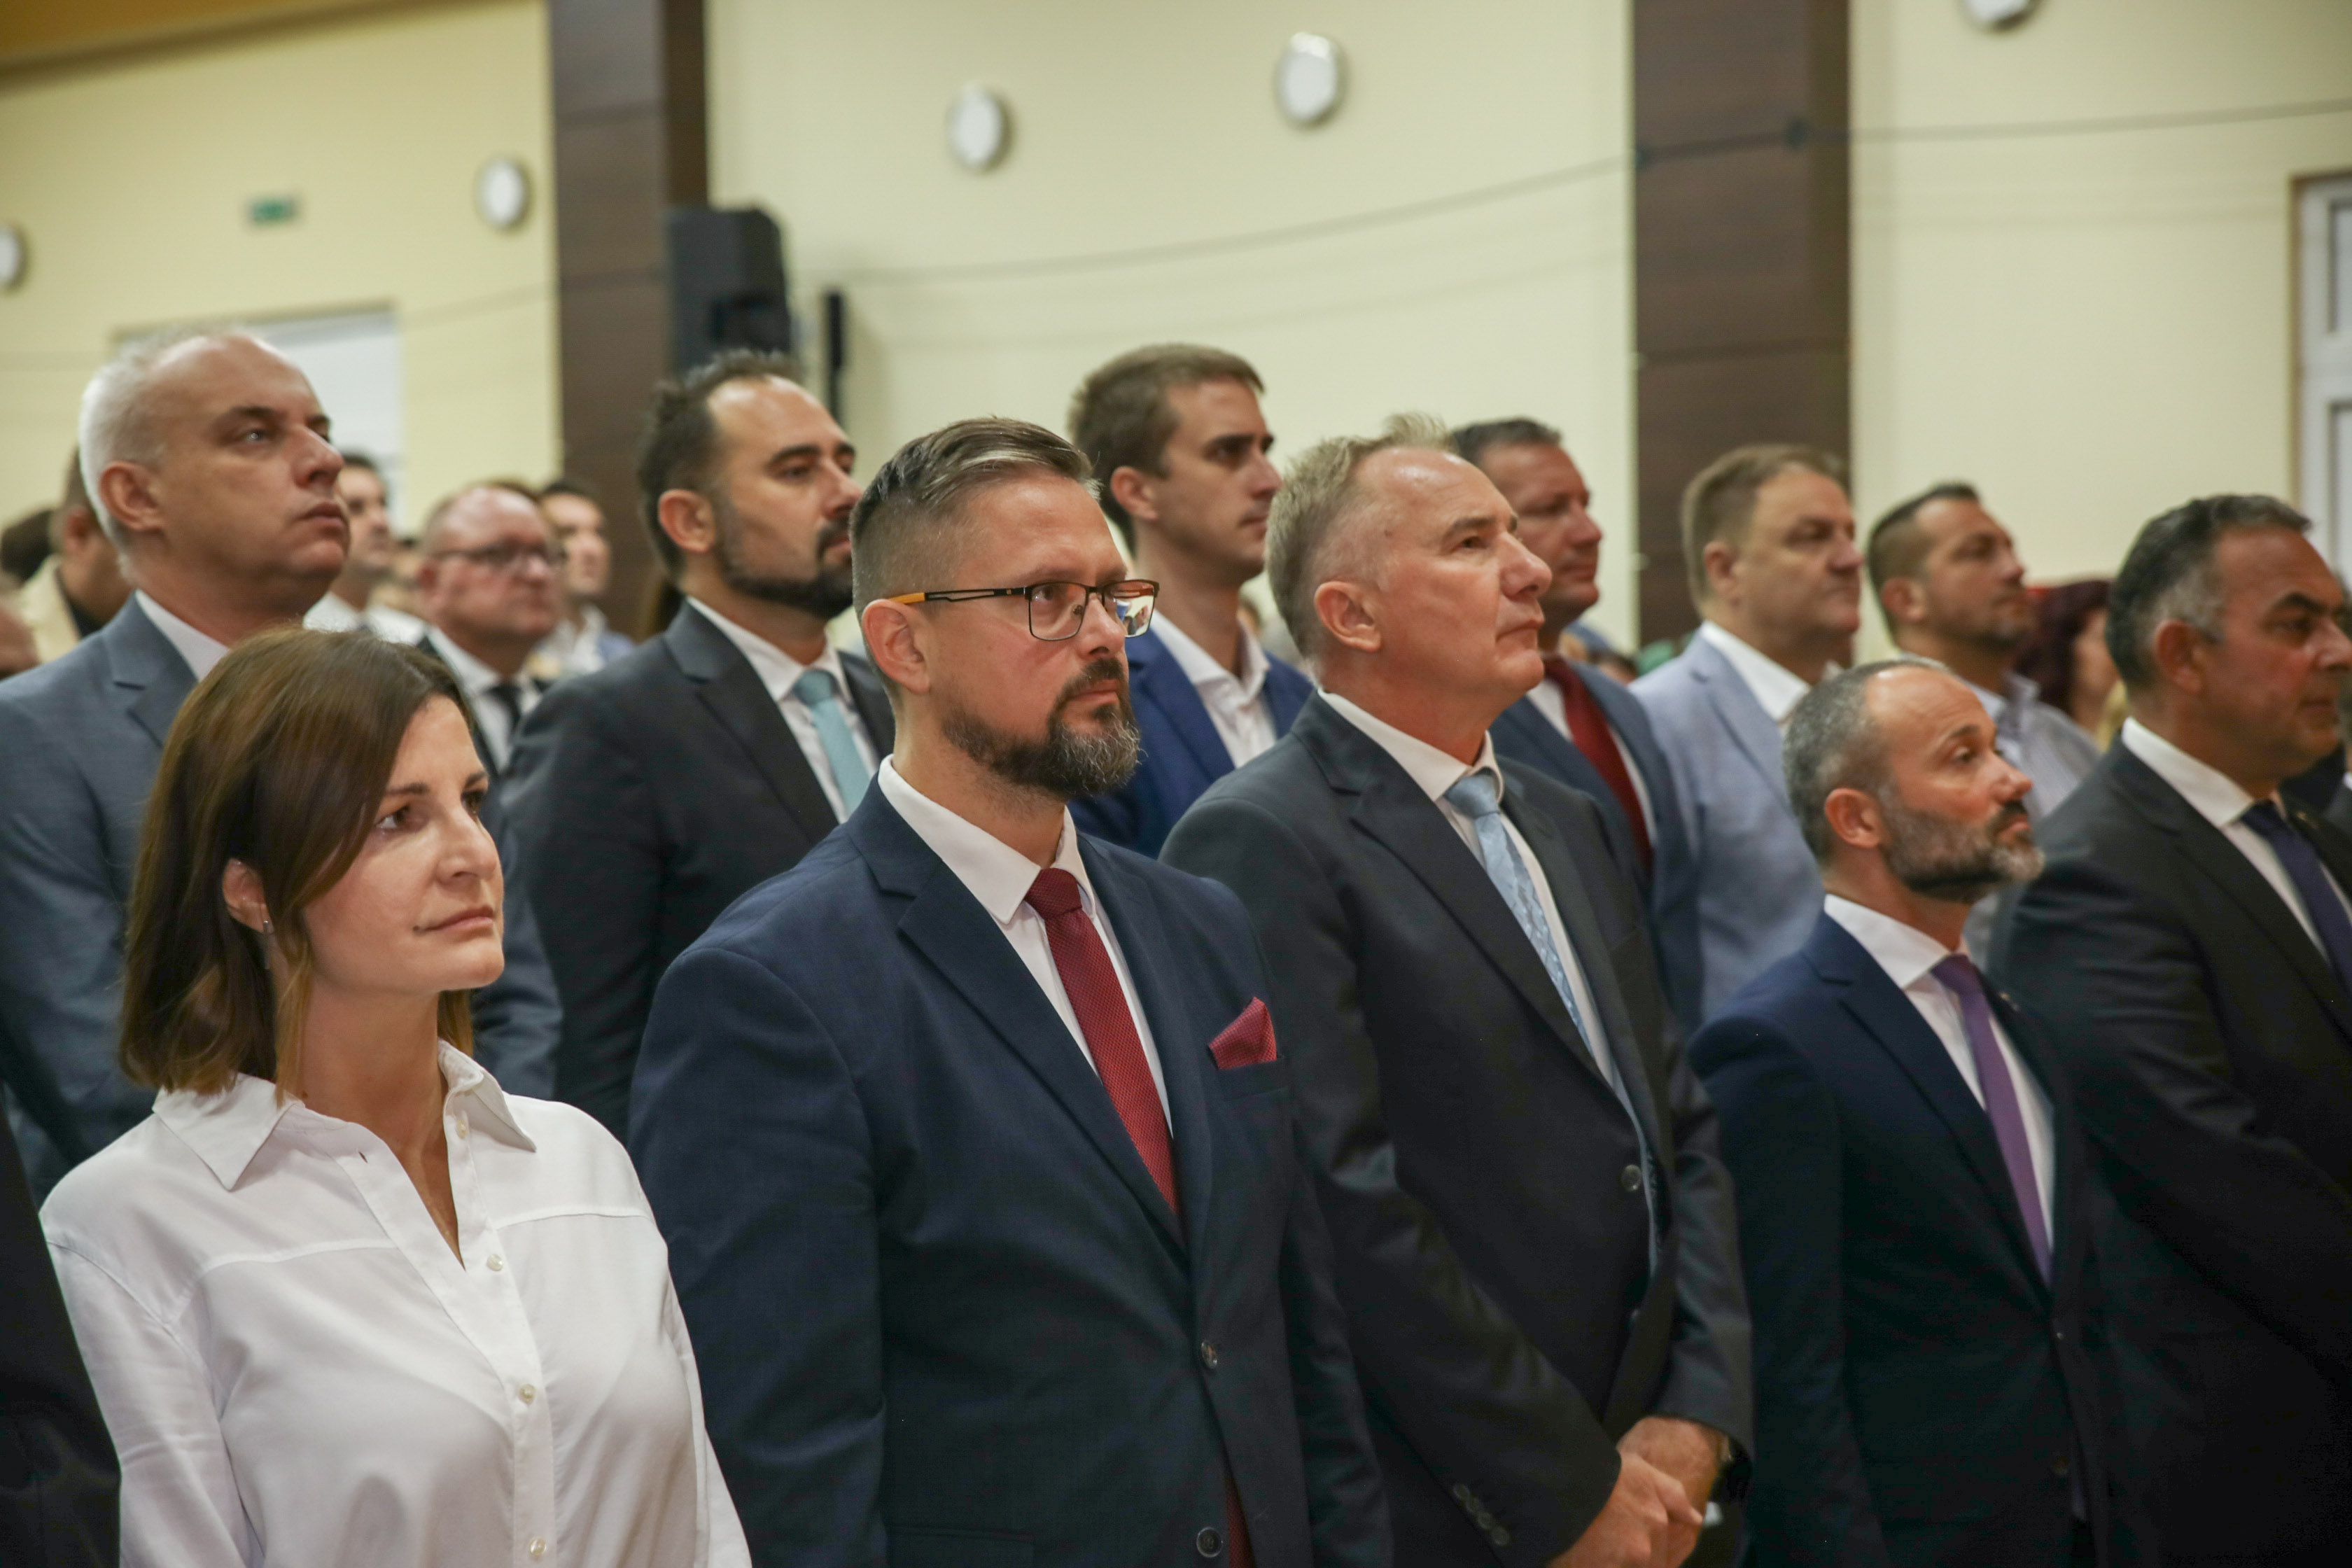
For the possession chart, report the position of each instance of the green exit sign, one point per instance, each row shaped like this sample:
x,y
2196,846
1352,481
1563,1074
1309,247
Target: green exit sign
x,y
263,211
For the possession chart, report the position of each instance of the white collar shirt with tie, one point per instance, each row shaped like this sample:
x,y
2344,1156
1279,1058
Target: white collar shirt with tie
x,y
478,680
779,672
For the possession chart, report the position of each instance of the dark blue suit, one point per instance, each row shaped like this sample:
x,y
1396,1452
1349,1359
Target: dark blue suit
x,y
1182,754
1922,1395
946,1319
1523,734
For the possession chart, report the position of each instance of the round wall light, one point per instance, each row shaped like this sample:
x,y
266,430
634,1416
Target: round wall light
x,y
12,255
980,128
1309,79
502,193
1993,15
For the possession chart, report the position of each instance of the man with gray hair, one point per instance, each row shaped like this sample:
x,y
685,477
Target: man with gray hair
x,y
206,457
1913,1204
2191,949
1535,1236
970,1134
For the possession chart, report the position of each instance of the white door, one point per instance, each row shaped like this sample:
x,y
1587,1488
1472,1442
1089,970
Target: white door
x,y
2324,357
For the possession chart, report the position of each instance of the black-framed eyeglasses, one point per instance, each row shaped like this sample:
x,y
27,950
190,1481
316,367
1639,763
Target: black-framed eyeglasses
x,y
506,557
1056,610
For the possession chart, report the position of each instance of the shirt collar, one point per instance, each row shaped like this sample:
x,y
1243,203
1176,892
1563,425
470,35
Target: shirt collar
x,y
1435,771
1203,670
228,1129
2010,705
1775,686
1905,952
997,874
2211,793
200,651
476,677
777,670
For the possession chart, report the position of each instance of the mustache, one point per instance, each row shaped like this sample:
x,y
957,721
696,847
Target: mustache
x,y
832,533
1094,674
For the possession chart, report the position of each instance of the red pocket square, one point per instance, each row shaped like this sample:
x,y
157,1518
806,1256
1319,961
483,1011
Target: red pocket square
x,y
1248,1040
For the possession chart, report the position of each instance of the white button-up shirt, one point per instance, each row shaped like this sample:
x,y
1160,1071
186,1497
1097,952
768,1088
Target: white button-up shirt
x,y
297,1370
478,680
1237,705
777,670
201,651
1000,878
332,614
1777,687
1909,956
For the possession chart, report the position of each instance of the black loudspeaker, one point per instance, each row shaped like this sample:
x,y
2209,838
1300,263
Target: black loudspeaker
x,y
726,284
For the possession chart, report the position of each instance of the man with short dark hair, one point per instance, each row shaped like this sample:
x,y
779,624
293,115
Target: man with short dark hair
x,y
1767,538
80,585
1952,589
583,641
1913,1210
208,459
653,793
1581,727
1534,1237
349,602
1176,436
2190,949
971,1135
487,587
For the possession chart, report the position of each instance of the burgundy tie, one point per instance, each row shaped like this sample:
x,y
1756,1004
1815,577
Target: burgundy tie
x,y
1092,984
1587,726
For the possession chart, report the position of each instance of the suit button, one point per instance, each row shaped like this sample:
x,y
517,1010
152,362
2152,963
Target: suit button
x,y
1208,1355
1208,1543
1499,1536
2061,1467
1462,1493
2058,1334
1629,1178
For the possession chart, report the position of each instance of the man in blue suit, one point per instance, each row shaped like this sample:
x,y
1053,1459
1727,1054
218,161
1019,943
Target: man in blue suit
x,y
1912,1182
1579,725
976,1154
1768,539
1176,437
208,461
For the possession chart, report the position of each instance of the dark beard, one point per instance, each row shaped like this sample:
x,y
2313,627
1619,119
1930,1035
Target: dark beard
x,y
1066,764
824,594
1943,860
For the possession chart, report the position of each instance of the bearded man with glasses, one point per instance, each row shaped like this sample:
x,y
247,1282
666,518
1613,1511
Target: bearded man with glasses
x,y
971,1135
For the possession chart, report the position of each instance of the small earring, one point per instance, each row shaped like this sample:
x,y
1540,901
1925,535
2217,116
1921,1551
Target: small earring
x,y
267,928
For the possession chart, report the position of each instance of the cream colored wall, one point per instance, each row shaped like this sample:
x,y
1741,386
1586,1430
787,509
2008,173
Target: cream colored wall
x,y
2092,326
131,178
1139,126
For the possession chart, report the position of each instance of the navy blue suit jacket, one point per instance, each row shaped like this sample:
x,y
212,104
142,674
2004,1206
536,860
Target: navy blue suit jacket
x,y
1671,888
1923,1396
1182,754
945,1318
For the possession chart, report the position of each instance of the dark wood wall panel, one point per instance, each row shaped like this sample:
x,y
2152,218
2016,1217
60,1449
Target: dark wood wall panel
x,y
1742,244
630,143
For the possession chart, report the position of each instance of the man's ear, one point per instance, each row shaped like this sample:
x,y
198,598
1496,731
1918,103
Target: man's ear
x,y
1903,600
1715,563
1348,616
690,520
1854,818
127,489
2177,650
1131,487
894,643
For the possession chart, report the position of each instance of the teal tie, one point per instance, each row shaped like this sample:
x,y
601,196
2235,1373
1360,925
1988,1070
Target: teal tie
x,y
819,694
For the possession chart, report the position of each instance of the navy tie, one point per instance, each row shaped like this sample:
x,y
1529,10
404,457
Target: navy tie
x,y
2310,878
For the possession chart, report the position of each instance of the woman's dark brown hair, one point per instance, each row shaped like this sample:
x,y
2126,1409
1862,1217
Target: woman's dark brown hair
x,y
279,759
2049,660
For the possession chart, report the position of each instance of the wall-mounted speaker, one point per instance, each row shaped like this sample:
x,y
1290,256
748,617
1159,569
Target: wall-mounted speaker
x,y
727,286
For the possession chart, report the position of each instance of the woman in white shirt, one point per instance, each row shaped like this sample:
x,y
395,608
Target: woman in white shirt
x,y
345,1301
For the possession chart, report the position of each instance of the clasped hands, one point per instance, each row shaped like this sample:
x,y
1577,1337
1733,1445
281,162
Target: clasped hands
x,y
1653,1517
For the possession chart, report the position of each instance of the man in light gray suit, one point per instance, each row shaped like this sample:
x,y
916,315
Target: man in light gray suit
x,y
1767,538
208,459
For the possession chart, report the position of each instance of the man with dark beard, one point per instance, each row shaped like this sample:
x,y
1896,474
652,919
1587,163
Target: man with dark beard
x,y
971,1137
1911,1175
657,790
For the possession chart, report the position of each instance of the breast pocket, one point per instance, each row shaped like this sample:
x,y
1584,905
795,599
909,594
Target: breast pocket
x,y
1258,1077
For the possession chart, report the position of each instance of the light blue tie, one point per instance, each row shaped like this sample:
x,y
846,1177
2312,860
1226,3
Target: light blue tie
x,y
819,694
1477,796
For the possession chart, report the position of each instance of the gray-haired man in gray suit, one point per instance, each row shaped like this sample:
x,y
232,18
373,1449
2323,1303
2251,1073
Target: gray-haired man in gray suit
x,y
1768,537
206,457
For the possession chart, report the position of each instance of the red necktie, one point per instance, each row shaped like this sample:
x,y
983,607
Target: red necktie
x,y
1588,728
1092,986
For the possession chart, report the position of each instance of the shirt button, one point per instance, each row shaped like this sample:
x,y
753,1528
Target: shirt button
x,y
1629,1178
496,1262
1208,1355
528,1392
538,1546
461,1127
1208,1543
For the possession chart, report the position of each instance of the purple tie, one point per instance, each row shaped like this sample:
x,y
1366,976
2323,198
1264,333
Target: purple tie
x,y
1959,976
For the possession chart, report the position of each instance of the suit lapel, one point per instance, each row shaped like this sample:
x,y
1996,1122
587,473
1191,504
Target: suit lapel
x,y
1160,681
1751,728
149,672
731,690
1888,1017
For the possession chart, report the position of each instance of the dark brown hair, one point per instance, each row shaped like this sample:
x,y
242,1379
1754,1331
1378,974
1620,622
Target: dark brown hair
x,y
1120,416
279,759
904,529
679,449
2049,661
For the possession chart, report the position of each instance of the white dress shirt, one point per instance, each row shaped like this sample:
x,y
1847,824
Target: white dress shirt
x,y
999,877
1435,772
476,680
777,670
332,615
200,651
298,1370
1237,705
1909,956
1552,704
1775,686
2223,802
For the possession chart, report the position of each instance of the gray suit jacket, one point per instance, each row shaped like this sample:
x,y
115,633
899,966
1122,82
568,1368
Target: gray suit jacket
x,y
80,739
1759,890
